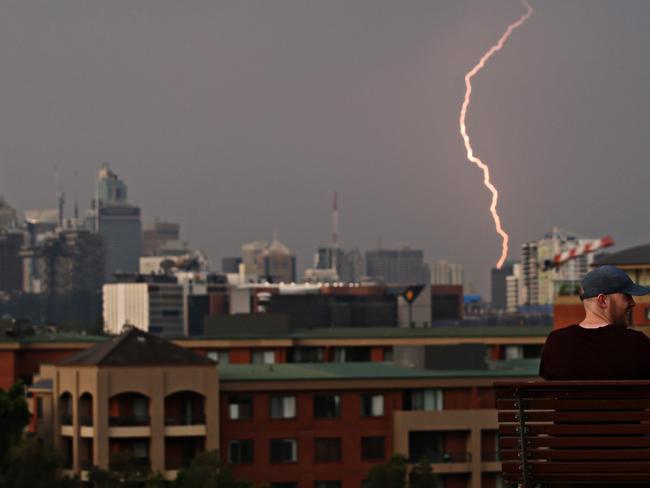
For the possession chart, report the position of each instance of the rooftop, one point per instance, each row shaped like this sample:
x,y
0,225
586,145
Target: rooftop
x,y
631,255
136,348
350,371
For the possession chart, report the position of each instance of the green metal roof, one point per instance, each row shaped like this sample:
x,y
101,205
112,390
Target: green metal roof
x,y
395,332
351,371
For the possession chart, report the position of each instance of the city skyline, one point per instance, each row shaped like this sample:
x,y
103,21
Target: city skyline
x,y
237,120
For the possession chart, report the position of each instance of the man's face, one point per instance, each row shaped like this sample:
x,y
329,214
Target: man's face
x,y
620,308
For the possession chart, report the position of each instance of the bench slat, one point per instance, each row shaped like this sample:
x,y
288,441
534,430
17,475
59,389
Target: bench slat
x,y
571,404
568,429
573,393
581,467
577,442
577,454
576,415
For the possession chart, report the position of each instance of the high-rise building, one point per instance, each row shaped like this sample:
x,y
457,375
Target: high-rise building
x,y
249,254
162,239
498,282
118,223
514,291
8,218
155,305
67,262
398,266
11,265
446,273
277,263
110,189
348,262
120,228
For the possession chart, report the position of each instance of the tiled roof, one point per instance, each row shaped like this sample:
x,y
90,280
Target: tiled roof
x,y
136,348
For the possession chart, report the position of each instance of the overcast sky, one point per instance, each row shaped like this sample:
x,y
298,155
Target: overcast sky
x,y
239,117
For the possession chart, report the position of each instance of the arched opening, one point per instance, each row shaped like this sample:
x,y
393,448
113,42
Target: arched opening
x,y
128,410
65,408
185,408
86,409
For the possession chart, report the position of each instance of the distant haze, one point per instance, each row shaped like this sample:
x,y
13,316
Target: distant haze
x,y
237,118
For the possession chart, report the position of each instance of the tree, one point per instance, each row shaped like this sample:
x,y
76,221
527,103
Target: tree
x,y
30,464
421,476
207,471
14,417
391,474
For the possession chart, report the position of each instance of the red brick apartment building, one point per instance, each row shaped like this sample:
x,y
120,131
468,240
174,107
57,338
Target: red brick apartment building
x,y
21,358
310,425
326,425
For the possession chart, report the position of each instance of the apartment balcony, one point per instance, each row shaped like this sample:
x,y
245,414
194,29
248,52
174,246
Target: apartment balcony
x,y
185,415
129,426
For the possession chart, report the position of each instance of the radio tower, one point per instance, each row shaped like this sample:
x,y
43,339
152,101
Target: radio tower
x,y
334,249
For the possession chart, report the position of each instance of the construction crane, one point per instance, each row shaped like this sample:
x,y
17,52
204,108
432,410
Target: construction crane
x,y
579,250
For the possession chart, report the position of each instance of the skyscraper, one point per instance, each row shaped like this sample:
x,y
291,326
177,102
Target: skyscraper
x,y
446,273
498,282
403,266
277,263
118,223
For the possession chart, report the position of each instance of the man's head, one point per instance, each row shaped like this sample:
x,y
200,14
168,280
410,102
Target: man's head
x,y
607,294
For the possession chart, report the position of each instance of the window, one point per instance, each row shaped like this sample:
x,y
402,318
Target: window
x,y
372,405
240,407
429,399
388,354
221,357
327,449
350,354
263,357
372,448
284,450
327,406
141,450
39,408
240,452
327,484
305,355
285,484
283,407
428,444
171,313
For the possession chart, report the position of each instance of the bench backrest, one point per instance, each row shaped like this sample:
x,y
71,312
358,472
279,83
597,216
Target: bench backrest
x,y
574,431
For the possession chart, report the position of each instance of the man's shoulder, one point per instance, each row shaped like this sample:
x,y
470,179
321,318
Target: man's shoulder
x,y
563,331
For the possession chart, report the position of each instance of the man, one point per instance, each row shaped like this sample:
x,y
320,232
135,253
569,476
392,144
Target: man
x,y
602,346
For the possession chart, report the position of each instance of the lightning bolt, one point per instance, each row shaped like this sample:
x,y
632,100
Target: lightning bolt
x,y
463,131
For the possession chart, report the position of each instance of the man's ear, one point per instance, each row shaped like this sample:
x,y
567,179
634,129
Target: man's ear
x,y
601,300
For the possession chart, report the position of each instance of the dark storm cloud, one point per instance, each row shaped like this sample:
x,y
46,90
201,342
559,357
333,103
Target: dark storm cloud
x,y
238,117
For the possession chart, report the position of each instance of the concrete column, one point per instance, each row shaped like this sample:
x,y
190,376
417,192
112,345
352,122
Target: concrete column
x,y
157,414
211,409
76,464
100,421
475,448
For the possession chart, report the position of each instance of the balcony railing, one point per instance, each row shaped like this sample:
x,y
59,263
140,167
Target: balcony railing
x,y
129,421
443,457
183,420
142,464
66,419
490,456
86,420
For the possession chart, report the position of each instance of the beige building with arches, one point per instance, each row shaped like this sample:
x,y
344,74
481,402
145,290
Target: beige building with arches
x,y
135,392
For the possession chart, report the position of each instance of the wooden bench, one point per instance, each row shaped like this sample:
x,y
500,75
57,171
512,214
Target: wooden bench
x,y
574,432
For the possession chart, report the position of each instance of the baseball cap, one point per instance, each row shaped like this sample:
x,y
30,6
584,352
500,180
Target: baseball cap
x,y
610,279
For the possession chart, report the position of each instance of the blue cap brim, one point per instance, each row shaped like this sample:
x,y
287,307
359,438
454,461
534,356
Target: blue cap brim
x,y
637,290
